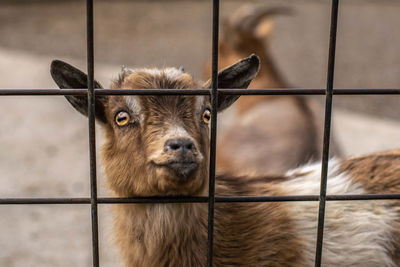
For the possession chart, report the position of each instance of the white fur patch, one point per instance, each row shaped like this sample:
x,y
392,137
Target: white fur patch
x,y
356,233
133,104
200,102
177,132
173,74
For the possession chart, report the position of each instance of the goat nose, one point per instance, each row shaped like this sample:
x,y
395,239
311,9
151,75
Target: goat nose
x,y
177,145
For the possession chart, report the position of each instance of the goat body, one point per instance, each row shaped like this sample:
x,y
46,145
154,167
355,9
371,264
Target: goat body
x,y
358,233
159,146
268,134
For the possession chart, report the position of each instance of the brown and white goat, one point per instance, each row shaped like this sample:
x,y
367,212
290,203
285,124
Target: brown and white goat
x,y
268,133
159,146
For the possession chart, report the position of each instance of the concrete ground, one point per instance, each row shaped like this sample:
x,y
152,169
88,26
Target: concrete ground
x,y
43,142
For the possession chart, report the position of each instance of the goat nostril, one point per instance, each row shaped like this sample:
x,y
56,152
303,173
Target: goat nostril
x,y
189,146
175,145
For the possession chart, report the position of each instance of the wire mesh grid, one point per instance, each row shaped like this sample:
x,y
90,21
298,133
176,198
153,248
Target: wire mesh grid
x,y
91,93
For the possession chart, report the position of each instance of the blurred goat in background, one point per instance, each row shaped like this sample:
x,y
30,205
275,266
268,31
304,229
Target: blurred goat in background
x,y
268,134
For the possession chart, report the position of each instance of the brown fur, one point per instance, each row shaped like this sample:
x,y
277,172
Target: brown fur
x,y
176,234
259,240
269,134
160,112
379,174
258,144
140,159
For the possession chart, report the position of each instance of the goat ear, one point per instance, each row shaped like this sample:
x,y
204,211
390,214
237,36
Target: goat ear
x,y
67,76
237,76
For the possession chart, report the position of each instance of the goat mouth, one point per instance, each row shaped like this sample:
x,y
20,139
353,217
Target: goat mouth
x,y
183,169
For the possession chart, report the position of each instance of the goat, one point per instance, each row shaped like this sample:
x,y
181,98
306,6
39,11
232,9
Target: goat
x,y
268,133
159,146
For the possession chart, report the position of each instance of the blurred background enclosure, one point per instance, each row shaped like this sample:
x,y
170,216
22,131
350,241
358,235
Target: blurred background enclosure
x,y
43,141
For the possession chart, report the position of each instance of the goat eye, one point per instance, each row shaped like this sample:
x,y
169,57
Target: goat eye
x,y
206,116
122,118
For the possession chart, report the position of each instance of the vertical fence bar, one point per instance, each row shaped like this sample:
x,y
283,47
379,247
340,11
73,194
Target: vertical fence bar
x,y
327,131
214,101
92,132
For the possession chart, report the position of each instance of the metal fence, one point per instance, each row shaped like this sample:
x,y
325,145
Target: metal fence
x,y
91,93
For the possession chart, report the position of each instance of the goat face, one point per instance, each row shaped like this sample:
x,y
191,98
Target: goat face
x,y
155,145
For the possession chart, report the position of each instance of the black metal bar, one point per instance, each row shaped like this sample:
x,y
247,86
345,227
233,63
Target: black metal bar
x,y
273,91
41,92
153,92
36,201
304,91
218,199
213,136
327,131
362,197
92,132
159,199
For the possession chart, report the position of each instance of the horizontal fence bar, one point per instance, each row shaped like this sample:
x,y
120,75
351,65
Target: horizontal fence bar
x,y
289,91
144,200
219,199
35,201
304,91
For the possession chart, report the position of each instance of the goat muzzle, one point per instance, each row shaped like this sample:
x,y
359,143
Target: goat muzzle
x,y
180,158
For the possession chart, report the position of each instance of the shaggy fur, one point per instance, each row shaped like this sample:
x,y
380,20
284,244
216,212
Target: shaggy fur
x,y
138,162
359,233
176,234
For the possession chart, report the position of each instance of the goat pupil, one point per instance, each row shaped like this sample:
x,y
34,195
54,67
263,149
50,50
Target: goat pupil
x,y
122,118
206,116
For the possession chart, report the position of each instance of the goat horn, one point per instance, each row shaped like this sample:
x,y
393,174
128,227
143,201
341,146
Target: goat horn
x,y
245,19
